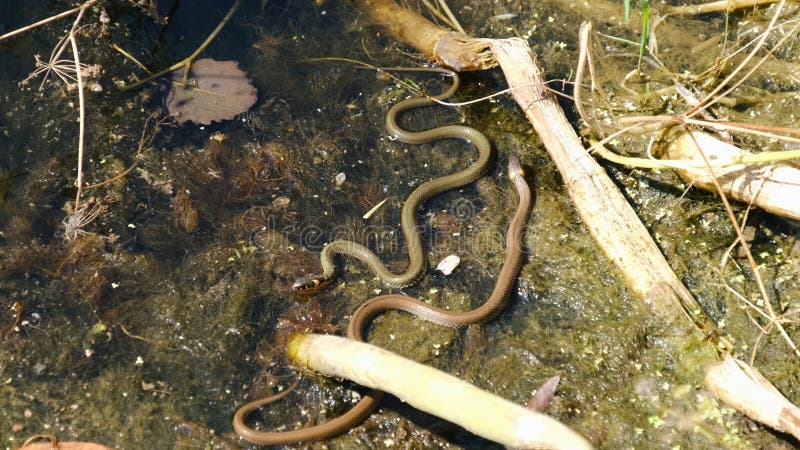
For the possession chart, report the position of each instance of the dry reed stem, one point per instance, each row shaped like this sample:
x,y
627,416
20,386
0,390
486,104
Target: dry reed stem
x,y
433,391
686,120
605,211
744,388
81,109
746,248
772,187
79,9
718,6
454,50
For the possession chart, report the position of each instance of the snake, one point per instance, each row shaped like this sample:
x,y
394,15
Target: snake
x,y
310,284
365,313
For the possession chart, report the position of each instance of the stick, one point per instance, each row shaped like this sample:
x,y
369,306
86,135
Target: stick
x,y
773,187
433,391
81,109
49,19
186,63
744,388
605,211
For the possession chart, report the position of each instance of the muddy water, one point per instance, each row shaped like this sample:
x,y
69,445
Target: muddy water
x,y
169,309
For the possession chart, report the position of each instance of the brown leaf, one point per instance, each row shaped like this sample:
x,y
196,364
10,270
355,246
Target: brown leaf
x,y
218,91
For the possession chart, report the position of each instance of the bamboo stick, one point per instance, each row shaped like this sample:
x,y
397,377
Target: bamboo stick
x,y
433,391
744,388
774,187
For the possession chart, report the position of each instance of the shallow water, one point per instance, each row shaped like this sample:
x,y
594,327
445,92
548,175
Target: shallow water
x,y
149,330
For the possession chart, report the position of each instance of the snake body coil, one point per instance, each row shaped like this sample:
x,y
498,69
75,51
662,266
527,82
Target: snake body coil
x,y
375,306
408,216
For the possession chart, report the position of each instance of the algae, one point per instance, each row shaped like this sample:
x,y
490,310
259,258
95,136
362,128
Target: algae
x,y
148,332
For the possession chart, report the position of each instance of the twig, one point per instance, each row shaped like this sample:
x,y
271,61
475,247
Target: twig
x,y
722,5
79,9
141,338
747,252
81,110
143,141
452,16
186,63
584,60
447,17
649,124
712,96
129,56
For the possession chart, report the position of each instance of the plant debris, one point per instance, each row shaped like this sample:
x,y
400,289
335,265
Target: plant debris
x,y
217,91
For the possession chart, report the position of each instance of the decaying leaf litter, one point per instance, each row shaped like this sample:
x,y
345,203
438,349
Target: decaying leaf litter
x,y
554,307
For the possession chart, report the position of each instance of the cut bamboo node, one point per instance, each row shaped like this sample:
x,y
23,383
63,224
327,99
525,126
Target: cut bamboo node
x,y
464,53
433,391
774,187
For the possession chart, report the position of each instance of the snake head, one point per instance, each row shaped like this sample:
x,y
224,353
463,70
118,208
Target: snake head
x,y
515,167
309,284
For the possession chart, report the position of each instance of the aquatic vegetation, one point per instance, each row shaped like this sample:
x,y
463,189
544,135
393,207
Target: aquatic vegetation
x,y
226,169
78,218
61,69
284,260
193,436
367,194
184,212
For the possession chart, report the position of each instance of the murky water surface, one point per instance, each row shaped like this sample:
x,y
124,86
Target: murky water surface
x,y
146,315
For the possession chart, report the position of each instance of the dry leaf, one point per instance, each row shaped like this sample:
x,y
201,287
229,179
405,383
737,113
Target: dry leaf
x,y
218,91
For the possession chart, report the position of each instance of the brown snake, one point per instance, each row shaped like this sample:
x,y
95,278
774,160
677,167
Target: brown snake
x,y
377,305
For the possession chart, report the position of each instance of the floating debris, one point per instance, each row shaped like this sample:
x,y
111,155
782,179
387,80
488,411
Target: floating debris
x,y
374,209
499,17
448,264
339,178
217,91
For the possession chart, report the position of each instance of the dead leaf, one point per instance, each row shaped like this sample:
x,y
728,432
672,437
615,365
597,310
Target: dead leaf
x,y
218,91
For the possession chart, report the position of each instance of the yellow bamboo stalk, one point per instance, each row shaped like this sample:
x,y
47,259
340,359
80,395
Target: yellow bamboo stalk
x,y
774,187
433,391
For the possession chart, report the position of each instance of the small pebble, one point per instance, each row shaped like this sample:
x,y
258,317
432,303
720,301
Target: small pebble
x,y
448,264
281,202
339,178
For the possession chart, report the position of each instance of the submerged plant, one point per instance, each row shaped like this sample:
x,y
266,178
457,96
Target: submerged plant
x,y
78,218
